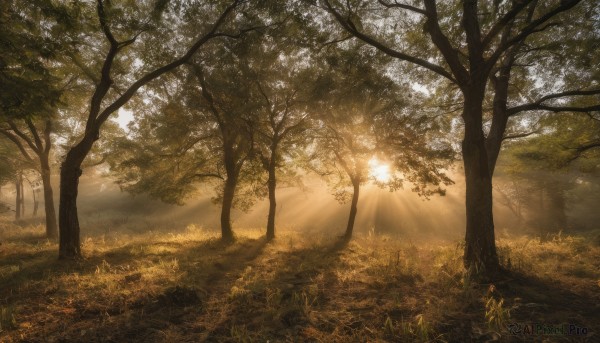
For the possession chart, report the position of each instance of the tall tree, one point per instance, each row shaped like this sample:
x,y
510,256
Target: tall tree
x,y
108,96
467,55
202,131
281,88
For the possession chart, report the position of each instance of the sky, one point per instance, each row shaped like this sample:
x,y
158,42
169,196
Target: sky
x,y
124,117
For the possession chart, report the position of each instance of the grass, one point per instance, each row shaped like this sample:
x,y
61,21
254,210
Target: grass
x,y
188,286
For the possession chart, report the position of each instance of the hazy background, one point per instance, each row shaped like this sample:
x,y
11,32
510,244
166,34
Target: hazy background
x,y
104,209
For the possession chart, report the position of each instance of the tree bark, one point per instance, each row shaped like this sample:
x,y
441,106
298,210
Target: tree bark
x,y
480,245
68,220
228,196
272,185
500,119
353,209
51,228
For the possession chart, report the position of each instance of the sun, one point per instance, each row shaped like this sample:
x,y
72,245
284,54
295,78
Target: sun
x,y
379,171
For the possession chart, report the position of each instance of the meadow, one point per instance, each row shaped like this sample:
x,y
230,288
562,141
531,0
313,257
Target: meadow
x,y
182,284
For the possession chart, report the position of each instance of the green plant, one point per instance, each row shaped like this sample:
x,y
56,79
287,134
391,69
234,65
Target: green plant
x,y
304,301
8,320
422,329
496,314
388,326
239,333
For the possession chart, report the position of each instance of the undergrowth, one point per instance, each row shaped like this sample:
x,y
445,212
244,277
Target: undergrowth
x,y
189,286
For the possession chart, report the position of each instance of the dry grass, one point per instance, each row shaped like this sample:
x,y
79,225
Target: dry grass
x,y
190,287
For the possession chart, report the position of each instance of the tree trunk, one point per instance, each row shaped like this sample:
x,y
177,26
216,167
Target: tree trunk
x,y
18,198
495,137
480,245
68,220
21,183
51,228
35,202
228,195
353,209
271,184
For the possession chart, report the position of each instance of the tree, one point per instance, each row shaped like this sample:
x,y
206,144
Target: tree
x,y
362,118
14,166
236,132
468,56
282,88
117,96
551,164
203,130
32,141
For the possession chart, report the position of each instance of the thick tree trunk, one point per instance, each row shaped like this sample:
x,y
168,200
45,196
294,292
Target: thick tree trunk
x,y
228,196
353,209
68,220
495,137
272,185
480,245
69,245
18,198
51,228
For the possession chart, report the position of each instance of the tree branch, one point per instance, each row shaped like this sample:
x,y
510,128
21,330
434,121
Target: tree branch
x,y
533,27
538,105
209,175
36,137
168,67
396,4
507,18
15,140
519,135
23,136
349,26
443,43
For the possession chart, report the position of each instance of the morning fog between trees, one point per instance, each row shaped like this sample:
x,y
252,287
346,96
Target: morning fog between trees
x,y
305,170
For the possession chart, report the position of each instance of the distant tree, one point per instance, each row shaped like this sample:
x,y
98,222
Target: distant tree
x,y
282,88
33,141
362,117
30,87
13,167
550,164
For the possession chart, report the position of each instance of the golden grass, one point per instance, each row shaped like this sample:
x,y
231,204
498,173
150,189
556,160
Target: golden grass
x,y
188,286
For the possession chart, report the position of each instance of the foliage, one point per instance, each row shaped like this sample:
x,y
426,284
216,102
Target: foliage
x,y
364,114
27,85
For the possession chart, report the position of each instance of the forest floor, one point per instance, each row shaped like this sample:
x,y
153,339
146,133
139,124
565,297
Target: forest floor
x,y
189,287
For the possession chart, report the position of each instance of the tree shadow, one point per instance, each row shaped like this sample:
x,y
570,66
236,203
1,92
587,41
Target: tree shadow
x,y
544,300
311,293
529,300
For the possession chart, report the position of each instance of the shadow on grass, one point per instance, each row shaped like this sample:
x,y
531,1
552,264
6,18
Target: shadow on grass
x,y
546,301
291,290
